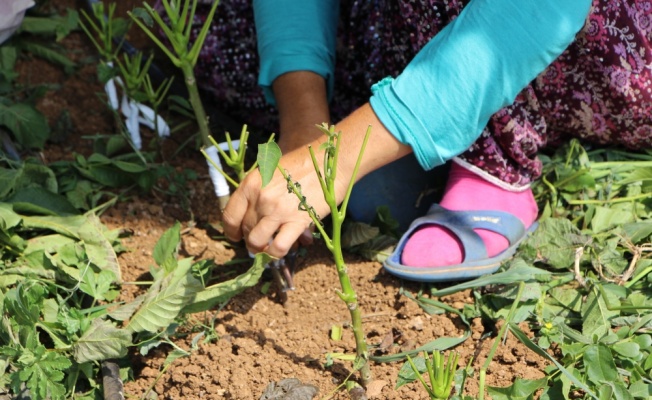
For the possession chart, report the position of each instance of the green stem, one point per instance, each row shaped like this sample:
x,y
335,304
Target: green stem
x,y
350,297
638,277
620,164
348,294
499,338
345,203
195,101
616,200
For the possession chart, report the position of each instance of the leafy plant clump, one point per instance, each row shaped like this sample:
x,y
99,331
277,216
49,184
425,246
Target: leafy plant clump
x,y
58,296
586,279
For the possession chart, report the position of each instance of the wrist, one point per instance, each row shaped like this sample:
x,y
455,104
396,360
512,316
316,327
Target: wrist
x,y
301,100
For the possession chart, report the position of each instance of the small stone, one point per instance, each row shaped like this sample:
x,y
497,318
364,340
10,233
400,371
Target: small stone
x,y
375,388
417,323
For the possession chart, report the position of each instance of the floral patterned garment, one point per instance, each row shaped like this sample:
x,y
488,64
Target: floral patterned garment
x,y
598,90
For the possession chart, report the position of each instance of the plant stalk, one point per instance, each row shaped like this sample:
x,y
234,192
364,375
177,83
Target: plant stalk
x,y
349,296
195,101
499,338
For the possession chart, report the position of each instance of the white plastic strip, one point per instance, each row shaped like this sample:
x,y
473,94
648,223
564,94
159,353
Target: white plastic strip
x,y
135,113
219,182
225,146
129,109
146,117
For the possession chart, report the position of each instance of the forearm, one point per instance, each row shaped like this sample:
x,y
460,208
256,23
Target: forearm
x,y
382,149
302,104
270,219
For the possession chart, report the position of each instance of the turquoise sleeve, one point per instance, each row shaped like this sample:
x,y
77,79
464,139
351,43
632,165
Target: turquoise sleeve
x,y
444,98
295,35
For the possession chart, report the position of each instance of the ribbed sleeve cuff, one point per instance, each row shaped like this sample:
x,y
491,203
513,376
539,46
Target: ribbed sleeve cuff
x,y
401,122
290,63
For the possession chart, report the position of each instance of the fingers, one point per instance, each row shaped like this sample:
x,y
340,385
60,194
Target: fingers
x,y
273,238
233,215
285,239
262,233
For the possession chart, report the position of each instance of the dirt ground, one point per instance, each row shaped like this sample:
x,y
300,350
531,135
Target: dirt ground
x,y
258,339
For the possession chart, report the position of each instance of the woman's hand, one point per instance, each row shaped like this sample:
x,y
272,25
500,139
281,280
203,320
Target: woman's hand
x,y
269,218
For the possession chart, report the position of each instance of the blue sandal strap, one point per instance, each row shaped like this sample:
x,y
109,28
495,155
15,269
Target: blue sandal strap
x,y
462,225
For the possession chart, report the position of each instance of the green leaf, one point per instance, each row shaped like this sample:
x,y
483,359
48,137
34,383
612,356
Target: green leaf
x,y
130,167
554,242
81,195
385,221
596,317
521,389
23,303
8,218
644,341
161,308
336,332
407,374
377,249
38,200
51,25
97,241
607,218
599,364
555,391
125,311
566,373
221,292
175,355
638,231
8,179
571,299
28,125
166,249
640,390
103,340
48,53
142,14
627,349
42,374
8,57
615,391
357,233
67,226
96,285
268,157
518,271
37,175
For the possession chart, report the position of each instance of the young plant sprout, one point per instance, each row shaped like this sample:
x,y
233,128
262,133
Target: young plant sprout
x,y
131,74
269,155
184,54
441,372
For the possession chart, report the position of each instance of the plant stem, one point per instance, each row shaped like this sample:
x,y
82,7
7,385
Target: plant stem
x,y
615,200
499,338
349,296
195,101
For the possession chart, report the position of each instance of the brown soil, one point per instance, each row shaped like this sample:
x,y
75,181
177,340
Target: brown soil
x,y
258,340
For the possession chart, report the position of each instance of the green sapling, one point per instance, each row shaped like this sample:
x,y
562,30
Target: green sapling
x,y
269,155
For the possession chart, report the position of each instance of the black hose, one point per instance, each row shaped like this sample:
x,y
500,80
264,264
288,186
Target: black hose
x,y
111,382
